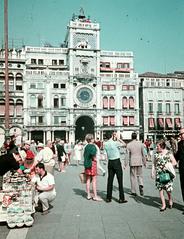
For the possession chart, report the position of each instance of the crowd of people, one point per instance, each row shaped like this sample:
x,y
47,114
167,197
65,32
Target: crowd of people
x,y
40,161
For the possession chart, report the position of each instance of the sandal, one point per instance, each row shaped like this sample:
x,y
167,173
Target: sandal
x,y
97,199
89,198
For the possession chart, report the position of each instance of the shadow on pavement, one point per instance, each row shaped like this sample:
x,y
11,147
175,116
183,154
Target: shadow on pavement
x,y
79,192
82,193
149,200
156,202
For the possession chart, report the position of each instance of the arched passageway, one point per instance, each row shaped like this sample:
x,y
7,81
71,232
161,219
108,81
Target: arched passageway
x,y
84,125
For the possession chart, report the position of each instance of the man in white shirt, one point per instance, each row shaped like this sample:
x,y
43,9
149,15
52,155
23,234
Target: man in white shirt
x,y
45,184
47,157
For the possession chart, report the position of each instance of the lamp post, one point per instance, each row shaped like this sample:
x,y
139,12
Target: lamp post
x,y
6,68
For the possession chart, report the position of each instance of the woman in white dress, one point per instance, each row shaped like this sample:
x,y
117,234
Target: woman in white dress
x,y
78,152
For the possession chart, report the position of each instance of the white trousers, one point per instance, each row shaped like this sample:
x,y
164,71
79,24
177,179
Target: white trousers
x,y
45,198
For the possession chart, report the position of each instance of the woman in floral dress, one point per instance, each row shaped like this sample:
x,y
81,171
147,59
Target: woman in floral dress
x,y
161,157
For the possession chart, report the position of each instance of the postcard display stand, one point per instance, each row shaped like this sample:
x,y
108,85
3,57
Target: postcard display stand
x,y
17,201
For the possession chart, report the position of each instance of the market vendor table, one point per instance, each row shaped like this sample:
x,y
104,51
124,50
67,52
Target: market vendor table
x,y
17,201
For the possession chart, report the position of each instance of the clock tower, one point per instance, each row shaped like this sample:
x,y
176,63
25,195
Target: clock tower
x,y
82,33
83,43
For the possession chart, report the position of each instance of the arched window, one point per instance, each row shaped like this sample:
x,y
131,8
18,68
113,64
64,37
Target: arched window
x,y
112,102
125,120
11,107
2,107
112,120
2,76
19,81
40,101
33,101
11,81
19,108
131,120
56,101
125,103
131,103
105,120
63,101
105,102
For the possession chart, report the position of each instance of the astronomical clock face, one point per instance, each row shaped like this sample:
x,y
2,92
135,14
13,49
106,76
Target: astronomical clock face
x,y
84,95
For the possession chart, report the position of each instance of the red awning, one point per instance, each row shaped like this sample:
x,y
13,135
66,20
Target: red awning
x,y
131,120
161,122
131,103
125,120
125,102
151,123
112,120
177,122
112,102
105,120
169,122
105,102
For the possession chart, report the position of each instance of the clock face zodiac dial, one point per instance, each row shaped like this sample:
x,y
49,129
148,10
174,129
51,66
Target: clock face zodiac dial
x,y
84,95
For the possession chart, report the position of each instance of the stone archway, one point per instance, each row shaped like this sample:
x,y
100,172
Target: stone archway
x,y
37,136
84,125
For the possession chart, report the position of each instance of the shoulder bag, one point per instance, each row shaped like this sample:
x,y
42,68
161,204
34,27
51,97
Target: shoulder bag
x,y
164,177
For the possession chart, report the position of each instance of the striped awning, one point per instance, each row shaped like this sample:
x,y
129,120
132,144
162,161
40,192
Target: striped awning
x,y
169,122
161,122
151,123
177,122
125,120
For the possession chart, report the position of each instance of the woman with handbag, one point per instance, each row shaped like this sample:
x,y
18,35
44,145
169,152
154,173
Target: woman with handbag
x,y
164,179
90,165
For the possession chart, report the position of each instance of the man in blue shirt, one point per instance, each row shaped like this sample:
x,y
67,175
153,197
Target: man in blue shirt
x,y
114,166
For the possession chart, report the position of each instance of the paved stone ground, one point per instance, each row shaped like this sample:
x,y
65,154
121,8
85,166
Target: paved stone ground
x,y
75,217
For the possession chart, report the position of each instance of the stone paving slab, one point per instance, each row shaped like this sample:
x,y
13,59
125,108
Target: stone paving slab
x,y
75,217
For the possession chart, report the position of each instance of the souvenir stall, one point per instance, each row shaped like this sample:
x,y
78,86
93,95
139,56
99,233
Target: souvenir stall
x,y
17,200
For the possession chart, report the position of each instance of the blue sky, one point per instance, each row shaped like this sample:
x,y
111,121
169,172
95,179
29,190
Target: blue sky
x,y
152,29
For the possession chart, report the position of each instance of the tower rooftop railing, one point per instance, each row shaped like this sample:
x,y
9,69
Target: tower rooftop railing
x,y
89,25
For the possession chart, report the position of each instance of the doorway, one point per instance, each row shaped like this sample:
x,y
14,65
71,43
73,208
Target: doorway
x,y
84,125
37,136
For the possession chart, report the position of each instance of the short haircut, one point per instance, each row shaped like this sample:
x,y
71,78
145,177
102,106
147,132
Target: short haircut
x,y
89,138
108,135
134,135
162,143
40,165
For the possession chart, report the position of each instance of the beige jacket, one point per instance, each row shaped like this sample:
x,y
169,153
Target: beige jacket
x,y
136,153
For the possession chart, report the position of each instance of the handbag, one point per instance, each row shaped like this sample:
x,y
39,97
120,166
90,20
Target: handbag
x,y
63,158
82,177
164,177
169,167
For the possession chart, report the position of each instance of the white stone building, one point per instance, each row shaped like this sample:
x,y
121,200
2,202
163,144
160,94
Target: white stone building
x,y
161,104
77,88
16,65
